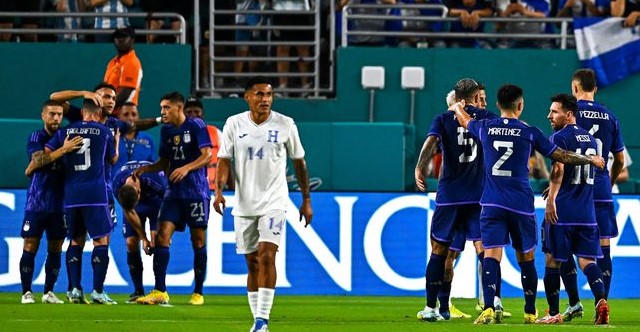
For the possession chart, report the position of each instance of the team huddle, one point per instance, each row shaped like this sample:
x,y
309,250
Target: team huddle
x,y
73,190
488,156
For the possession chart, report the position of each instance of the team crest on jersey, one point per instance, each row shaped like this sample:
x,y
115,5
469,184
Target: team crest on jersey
x,y
187,137
176,140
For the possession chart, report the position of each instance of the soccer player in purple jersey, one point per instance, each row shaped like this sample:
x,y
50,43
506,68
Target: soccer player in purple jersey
x,y
507,199
140,199
44,210
605,127
457,211
569,230
85,198
103,94
185,152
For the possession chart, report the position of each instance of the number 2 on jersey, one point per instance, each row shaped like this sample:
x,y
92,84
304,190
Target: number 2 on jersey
x,y
495,170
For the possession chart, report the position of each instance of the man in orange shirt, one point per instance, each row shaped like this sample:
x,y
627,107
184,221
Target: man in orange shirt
x,y
124,71
193,108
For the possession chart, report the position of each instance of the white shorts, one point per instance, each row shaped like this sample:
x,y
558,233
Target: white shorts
x,y
250,230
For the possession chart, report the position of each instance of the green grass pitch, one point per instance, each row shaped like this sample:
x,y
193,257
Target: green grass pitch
x,y
290,313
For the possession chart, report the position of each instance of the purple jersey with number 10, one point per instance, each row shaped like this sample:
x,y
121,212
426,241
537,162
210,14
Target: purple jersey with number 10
x,y
577,181
507,145
85,183
461,157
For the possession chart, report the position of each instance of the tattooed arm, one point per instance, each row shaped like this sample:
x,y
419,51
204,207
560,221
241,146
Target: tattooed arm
x,y
46,156
572,158
426,154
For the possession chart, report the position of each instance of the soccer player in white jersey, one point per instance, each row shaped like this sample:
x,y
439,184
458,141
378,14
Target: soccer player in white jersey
x,y
259,141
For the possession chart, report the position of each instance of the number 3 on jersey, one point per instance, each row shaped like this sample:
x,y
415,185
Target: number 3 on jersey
x,y
86,151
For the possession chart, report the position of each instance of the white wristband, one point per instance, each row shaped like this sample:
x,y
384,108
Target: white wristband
x,y
159,120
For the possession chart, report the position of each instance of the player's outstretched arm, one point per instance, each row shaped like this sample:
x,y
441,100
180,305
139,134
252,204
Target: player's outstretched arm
x,y
222,176
160,165
555,181
302,175
426,154
572,158
203,160
46,156
144,124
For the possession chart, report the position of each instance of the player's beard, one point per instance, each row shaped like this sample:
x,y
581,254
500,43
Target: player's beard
x,y
53,127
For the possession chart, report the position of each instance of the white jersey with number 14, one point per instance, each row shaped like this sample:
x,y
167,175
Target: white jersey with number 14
x,y
259,157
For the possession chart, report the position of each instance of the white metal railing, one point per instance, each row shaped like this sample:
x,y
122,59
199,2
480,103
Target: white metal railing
x,y
267,46
563,35
181,34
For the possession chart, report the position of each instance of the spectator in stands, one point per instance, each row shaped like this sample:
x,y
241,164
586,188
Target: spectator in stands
x,y
366,24
27,22
524,9
470,12
124,71
242,36
583,8
303,22
103,22
69,6
421,26
134,145
626,8
182,7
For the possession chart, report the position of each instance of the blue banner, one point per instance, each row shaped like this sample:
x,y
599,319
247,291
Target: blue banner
x,y
359,243
606,46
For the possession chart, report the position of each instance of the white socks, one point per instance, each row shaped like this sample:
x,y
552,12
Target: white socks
x,y
265,301
253,302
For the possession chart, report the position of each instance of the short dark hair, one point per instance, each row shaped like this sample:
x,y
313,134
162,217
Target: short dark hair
x,y
51,102
128,197
481,86
586,78
174,97
256,80
193,101
466,88
508,94
129,103
90,106
104,85
568,102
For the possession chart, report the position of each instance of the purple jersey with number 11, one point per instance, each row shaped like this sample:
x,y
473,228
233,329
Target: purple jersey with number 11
x,y
507,145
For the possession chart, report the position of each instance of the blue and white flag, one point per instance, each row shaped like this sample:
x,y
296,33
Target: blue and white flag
x,y
607,47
